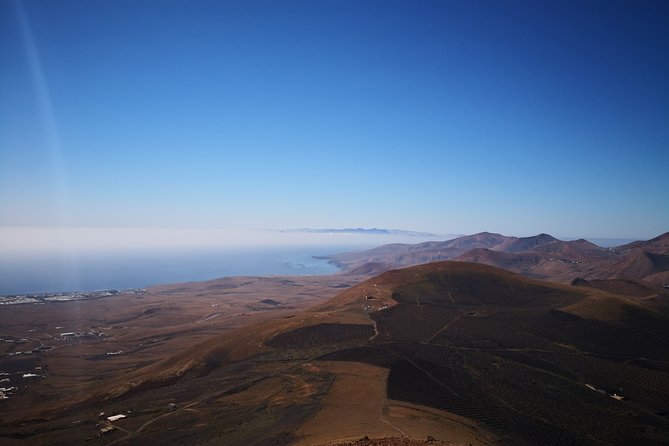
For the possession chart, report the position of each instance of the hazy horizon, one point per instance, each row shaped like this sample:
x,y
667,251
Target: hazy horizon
x,y
27,242
40,260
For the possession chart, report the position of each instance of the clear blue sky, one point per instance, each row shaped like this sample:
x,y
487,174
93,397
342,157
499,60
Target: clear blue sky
x,y
516,117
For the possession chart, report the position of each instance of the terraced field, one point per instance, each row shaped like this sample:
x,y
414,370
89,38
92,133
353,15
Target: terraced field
x,y
321,334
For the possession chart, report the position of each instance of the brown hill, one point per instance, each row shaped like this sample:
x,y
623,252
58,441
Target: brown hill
x,y
659,244
623,287
481,240
652,296
370,269
511,352
644,264
574,250
397,255
661,279
527,243
558,260
516,262
637,264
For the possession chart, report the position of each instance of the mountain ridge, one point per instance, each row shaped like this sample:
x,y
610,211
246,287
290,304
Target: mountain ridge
x,y
367,231
541,256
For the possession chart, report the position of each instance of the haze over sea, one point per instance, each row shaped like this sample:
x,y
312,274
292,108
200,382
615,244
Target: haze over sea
x,y
99,271
76,259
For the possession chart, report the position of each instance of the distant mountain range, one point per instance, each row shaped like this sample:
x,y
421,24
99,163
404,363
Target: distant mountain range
x,y
541,256
368,231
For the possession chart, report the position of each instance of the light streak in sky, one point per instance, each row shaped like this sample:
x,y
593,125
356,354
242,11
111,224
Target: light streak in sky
x,y
48,122
49,129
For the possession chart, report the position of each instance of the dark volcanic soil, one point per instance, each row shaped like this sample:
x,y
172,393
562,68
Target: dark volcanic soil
x,y
393,441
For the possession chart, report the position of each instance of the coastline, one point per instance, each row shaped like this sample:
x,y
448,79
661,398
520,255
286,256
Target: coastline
x,y
40,276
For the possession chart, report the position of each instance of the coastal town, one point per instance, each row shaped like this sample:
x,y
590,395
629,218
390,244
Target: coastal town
x,y
65,296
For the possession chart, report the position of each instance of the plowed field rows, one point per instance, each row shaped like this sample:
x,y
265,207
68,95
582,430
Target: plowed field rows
x,y
322,334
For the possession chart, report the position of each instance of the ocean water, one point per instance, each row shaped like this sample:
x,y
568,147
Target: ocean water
x,y
99,271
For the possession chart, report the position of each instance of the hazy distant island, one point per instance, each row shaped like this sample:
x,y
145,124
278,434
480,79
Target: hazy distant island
x,y
366,231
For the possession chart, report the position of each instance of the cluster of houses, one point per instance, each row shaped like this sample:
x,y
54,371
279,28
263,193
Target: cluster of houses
x,y
42,298
92,333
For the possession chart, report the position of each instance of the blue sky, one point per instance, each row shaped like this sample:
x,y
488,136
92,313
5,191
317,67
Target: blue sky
x,y
516,117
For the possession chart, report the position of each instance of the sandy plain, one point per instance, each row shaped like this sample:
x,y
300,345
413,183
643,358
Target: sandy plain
x,y
118,335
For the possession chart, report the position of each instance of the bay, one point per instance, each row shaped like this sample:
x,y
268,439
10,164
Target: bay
x,y
103,270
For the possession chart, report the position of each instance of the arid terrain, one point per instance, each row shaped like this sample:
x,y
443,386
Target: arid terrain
x,y
540,257
62,355
441,353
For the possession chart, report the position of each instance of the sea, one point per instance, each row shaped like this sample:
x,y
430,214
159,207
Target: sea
x,y
36,260
122,270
